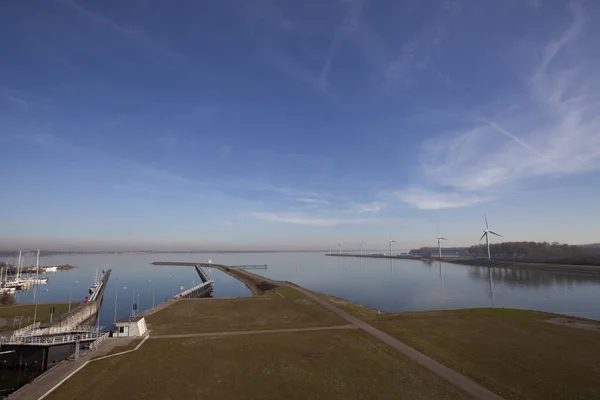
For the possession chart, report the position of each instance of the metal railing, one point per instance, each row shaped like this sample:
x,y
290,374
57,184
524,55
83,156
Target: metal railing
x,y
94,345
193,289
53,340
22,331
56,330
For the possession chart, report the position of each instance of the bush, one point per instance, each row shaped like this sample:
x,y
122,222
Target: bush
x,y
6,299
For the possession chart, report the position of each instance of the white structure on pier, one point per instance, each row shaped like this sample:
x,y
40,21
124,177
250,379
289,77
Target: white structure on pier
x,y
130,327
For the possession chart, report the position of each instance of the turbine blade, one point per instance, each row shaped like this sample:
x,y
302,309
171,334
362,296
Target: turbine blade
x,y
482,236
443,238
497,234
486,223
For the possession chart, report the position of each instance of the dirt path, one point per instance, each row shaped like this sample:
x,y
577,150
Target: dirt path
x,y
574,323
448,374
453,377
235,333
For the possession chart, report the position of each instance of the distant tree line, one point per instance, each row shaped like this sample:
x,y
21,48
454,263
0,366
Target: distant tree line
x,y
542,252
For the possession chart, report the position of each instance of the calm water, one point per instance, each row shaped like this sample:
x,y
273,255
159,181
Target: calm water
x,y
404,285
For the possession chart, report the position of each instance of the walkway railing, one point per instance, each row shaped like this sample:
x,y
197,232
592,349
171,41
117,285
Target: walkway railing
x,y
55,330
54,340
98,341
198,288
23,331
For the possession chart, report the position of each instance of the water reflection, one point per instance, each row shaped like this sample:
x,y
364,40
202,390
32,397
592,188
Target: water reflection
x,y
528,277
390,285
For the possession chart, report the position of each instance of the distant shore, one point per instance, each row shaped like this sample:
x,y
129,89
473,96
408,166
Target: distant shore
x,y
481,262
566,268
28,270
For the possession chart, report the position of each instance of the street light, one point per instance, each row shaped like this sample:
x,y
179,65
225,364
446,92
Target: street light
x,y
172,287
116,296
70,292
153,287
132,303
36,304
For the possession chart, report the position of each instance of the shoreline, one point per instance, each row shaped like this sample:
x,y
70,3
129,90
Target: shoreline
x,y
479,262
287,323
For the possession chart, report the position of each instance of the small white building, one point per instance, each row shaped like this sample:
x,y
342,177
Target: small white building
x,y
130,327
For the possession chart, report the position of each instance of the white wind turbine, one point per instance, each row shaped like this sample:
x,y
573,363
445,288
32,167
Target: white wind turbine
x,y
440,238
340,245
391,241
361,244
486,233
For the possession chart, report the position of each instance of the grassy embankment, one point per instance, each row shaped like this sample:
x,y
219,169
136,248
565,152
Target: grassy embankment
x,y
9,312
346,364
512,352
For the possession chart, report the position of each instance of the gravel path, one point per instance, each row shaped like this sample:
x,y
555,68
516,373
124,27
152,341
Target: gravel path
x,y
234,333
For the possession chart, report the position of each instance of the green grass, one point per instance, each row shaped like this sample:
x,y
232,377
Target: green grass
x,y
510,351
119,349
302,365
8,313
278,308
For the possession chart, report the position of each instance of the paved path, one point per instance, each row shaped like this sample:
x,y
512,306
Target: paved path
x,y
54,375
448,374
235,333
444,372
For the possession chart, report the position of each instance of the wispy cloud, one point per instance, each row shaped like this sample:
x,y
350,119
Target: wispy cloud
x,y
364,208
282,31
17,102
312,200
417,52
302,219
557,121
429,200
136,36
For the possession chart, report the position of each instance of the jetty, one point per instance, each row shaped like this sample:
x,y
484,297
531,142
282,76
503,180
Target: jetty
x,y
204,289
256,286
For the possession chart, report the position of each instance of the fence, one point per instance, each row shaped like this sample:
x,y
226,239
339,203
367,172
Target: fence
x,y
98,341
53,340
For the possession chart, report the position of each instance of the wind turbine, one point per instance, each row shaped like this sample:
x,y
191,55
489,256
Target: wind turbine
x,y
486,233
361,243
340,247
440,238
391,241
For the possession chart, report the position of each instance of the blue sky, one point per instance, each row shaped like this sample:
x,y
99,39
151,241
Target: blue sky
x,y
284,124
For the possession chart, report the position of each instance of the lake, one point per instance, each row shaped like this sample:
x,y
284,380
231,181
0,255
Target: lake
x,y
399,285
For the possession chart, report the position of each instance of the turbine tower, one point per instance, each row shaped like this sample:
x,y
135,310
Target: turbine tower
x,y
486,233
391,241
340,245
440,238
361,244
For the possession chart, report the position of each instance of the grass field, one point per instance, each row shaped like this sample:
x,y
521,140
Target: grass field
x,y
510,351
278,308
8,313
302,365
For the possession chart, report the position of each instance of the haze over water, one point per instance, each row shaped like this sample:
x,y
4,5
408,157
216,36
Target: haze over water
x,y
403,285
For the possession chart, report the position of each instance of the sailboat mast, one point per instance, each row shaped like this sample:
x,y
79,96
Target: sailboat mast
x,y
19,266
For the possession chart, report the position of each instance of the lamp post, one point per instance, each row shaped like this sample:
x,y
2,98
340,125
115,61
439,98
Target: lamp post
x,y
116,298
70,293
153,289
132,303
37,272
172,288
